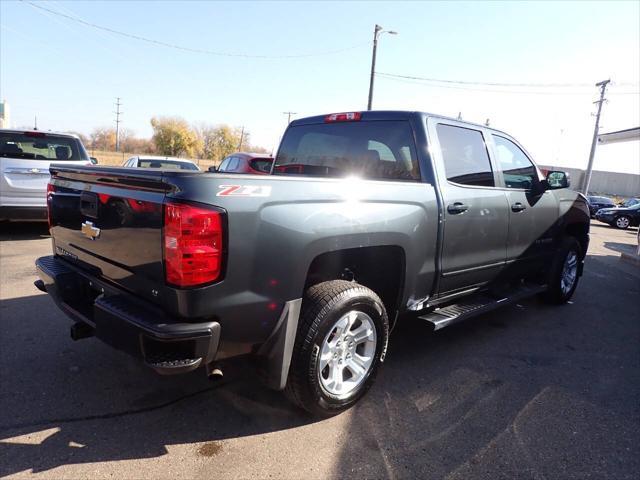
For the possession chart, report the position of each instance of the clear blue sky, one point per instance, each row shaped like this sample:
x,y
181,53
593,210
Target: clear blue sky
x,y
69,74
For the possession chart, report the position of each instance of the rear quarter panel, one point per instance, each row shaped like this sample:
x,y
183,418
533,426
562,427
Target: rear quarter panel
x,y
273,239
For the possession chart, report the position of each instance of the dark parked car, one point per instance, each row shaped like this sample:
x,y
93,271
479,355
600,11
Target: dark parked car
x,y
621,217
255,163
598,202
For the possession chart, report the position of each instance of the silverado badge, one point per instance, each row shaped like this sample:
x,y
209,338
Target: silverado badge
x,y
89,231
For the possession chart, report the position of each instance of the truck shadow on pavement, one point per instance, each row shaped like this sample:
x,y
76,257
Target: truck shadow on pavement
x,y
23,230
527,391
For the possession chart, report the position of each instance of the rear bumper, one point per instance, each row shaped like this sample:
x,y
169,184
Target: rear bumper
x,y
23,213
126,323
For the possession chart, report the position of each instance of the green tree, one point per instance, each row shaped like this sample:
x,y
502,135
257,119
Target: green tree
x,y
102,138
173,136
219,141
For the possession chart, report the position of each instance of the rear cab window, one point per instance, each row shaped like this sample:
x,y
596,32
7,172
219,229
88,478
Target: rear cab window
x,y
261,164
41,146
378,150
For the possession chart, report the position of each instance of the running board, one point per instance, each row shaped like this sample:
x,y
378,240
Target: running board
x,y
476,305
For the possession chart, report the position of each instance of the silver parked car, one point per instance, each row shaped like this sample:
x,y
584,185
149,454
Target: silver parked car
x,y
25,157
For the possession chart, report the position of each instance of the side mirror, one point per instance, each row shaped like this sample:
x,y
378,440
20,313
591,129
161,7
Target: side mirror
x,y
557,179
212,169
93,160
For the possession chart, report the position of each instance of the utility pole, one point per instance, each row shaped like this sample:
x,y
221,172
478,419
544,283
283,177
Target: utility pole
x,y
241,138
288,114
35,122
594,142
118,113
377,31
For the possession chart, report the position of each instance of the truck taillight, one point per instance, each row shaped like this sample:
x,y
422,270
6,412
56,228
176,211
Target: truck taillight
x,y
193,244
343,117
50,189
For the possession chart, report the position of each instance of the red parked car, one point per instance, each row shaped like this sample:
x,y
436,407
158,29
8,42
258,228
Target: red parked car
x,y
255,163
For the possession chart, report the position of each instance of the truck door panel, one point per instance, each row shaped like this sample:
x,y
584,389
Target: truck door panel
x,y
532,216
475,212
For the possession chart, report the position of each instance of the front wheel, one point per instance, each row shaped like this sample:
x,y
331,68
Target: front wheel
x,y
341,340
622,222
563,275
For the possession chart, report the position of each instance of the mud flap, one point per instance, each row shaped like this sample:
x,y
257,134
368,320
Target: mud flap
x,y
275,353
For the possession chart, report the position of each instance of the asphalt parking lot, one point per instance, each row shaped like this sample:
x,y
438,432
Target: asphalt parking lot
x,y
531,391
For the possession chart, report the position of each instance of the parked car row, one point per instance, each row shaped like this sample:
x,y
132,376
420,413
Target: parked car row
x,y
25,157
596,202
620,217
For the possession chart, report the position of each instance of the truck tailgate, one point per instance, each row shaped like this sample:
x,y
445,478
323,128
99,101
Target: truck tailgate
x,y
109,222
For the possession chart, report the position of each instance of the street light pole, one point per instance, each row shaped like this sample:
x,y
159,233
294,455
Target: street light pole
x,y
373,64
377,31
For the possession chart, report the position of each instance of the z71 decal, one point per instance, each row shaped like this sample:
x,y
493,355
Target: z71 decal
x,y
244,191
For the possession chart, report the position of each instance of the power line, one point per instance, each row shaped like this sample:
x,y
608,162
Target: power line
x,y
182,47
498,84
426,83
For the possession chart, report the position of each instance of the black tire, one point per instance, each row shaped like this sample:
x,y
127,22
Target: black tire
x,y
322,306
555,294
622,222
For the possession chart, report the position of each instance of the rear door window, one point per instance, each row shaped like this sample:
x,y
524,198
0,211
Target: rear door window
x,y
40,146
261,164
382,150
517,169
466,160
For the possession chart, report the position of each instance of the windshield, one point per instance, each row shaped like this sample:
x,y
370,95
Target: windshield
x,y
167,164
376,150
41,146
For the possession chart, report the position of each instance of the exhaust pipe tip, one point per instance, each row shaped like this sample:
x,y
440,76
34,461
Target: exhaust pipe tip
x,y
214,373
39,284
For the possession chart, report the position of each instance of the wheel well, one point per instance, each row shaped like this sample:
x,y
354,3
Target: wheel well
x,y
581,233
379,268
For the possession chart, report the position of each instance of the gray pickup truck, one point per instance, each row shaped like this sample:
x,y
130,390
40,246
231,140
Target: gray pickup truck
x,y
367,218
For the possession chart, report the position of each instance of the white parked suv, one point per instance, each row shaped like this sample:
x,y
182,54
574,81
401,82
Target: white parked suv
x,y
25,157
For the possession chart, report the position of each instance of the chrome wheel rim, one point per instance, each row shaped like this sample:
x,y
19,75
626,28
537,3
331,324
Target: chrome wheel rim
x,y
622,222
569,272
347,353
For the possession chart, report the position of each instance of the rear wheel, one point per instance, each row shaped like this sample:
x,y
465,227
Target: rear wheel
x,y
342,338
563,276
622,222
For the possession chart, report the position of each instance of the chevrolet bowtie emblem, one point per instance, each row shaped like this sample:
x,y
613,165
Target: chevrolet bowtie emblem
x,y
89,231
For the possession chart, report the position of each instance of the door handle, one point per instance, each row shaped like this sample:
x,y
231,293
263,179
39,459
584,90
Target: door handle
x,y
518,207
457,207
